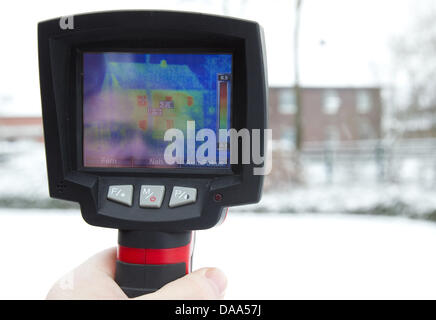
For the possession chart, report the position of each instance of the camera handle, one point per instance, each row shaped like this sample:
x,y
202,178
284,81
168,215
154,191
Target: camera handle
x,y
146,261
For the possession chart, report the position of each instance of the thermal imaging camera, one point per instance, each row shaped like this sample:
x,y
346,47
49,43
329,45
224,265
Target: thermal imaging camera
x,y
129,99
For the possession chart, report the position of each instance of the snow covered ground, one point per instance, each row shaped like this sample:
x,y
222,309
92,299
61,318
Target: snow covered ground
x,y
408,200
265,256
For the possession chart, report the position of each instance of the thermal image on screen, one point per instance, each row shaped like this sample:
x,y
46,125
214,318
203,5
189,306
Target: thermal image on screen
x,y
131,99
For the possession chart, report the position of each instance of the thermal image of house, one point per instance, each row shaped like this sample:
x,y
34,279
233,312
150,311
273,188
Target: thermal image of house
x,y
156,107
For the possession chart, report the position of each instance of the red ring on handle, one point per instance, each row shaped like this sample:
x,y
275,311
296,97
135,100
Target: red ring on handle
x,y
156,256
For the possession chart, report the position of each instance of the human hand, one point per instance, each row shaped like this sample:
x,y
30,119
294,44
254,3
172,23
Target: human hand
x,y
94,279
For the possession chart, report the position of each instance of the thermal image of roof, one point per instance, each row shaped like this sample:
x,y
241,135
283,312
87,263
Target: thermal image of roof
x,y
155,107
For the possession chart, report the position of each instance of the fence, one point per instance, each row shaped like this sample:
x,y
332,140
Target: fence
x,y
368,161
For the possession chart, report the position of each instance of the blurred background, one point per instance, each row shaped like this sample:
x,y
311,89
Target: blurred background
x,y
349,207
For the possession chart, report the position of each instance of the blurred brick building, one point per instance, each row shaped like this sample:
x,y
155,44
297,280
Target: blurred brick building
x,y
18,128
328,114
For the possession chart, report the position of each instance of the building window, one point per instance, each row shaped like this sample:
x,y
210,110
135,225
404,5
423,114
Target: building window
x,y
287,138
331,102
332,134
287,103
363,101
366,130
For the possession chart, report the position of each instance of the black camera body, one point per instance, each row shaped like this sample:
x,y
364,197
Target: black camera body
x,y
60,58
183,198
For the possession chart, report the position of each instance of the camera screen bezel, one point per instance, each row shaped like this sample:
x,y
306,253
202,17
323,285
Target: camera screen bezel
x,y
234,116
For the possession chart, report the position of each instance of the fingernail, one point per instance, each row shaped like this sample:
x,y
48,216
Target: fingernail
x,y
218,280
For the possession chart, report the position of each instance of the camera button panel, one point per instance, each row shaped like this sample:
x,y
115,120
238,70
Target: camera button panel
x,y
151,196
182,196
121,193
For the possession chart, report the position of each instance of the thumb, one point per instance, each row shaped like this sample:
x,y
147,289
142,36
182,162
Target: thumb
x,y
206,283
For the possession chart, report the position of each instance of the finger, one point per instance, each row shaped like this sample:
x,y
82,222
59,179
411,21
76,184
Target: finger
x,y
206,283
104,261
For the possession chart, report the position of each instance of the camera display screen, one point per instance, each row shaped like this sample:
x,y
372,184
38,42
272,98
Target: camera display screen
x,y
130,100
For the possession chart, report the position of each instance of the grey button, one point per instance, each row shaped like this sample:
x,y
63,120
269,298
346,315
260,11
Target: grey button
x,y
151,196
182,196
121,194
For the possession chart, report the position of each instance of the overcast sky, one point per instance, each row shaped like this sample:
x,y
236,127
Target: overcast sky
x,y
343,42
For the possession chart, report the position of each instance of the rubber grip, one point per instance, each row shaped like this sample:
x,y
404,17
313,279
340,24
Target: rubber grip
x,y
136,279
148,261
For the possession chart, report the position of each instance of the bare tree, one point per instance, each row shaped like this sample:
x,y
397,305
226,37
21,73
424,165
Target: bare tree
x,y
415,62
298,102
225,4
